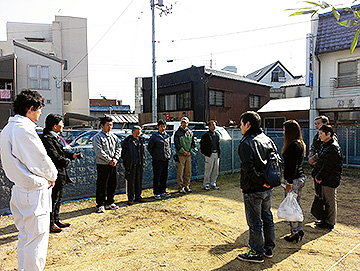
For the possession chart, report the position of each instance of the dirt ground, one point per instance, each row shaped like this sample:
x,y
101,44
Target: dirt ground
x,y
204,230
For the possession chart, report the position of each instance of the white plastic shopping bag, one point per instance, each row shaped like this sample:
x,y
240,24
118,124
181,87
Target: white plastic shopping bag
x,y
290,209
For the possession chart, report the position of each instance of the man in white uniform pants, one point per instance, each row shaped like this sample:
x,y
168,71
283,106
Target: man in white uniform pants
x,y
27,165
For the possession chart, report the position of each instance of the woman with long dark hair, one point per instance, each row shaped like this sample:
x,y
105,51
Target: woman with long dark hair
x,y
293,151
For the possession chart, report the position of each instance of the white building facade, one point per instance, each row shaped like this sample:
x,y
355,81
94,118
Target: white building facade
x,y
65,39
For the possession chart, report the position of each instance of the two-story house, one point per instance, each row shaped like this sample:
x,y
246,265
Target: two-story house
x,y
64,39
336,70
275,75
201,94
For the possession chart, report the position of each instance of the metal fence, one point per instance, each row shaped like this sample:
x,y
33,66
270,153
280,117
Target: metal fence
x,y
83,172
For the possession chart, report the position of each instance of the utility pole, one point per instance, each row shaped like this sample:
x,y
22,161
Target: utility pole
x,y
166,11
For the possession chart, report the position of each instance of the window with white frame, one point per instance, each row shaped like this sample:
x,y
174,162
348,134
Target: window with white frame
x,y
254,101
217,97
38,77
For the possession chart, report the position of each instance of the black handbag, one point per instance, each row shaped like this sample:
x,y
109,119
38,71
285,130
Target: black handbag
x,y
318,205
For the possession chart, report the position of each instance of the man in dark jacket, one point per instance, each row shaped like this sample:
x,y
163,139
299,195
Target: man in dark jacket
x,y
185,147
210,147
254,150
159,147
133,156
327,174
61,158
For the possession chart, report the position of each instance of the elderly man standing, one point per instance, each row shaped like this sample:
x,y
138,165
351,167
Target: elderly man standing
x,y
185,147
210,147
133,155
27,165
107,147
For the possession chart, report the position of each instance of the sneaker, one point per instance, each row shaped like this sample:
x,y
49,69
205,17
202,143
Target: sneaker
x,y
166,195
157,196
215,187
188,190
182,190
112,206
100,209
207,187
251,256
268,253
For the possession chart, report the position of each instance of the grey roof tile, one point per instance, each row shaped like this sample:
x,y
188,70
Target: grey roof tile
x,y
331,36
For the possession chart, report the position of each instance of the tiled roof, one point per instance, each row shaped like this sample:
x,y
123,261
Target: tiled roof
x,y
259,74
234,76
299,81
331,36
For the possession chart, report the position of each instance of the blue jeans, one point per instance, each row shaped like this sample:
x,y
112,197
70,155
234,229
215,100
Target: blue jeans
x,y
260,221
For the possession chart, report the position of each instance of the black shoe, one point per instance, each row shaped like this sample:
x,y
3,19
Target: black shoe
x,y
268,253
325,225
292,237
55,229
62,224
319,222
251,256
301,234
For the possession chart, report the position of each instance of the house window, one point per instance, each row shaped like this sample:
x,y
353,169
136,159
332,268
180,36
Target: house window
x,y
65,65
174,102
254,101
274,123
278,75
183,101
347,73
217,97
38,77
67,92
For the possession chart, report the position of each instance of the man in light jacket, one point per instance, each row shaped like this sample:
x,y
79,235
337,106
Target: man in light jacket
x,y
107,147
27,165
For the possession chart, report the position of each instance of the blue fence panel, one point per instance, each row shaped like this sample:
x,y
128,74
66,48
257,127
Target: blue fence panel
x,y
83,172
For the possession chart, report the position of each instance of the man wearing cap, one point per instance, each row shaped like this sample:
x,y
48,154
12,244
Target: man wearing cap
x,y
185,147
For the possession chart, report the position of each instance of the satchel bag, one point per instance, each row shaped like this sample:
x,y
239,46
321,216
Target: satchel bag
x,y
318,206
272,171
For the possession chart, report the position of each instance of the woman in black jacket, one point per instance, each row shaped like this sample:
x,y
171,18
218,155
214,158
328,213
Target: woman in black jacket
x,y
293,154
327,174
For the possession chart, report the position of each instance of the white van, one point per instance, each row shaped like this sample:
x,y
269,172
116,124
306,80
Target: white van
x,y
198,128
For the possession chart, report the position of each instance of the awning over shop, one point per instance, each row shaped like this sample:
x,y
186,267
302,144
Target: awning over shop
x,y
286,105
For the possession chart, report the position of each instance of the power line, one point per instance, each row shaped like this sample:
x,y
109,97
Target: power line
x,y
98,40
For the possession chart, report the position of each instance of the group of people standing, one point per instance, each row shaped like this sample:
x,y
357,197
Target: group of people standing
x,y
109,149
37,167
325,157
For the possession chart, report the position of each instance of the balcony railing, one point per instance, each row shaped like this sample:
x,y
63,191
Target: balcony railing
x,y
345,81
345,85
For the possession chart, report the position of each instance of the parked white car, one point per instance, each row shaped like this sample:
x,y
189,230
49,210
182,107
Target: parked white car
x,y
198,128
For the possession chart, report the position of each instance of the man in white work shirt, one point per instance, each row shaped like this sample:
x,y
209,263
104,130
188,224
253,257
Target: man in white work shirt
x,y
27,165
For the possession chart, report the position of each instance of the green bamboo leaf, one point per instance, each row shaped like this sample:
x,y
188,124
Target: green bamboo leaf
x,y
357,14
291,9
348,23
336,14
313,3
354,41
303,12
